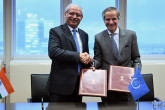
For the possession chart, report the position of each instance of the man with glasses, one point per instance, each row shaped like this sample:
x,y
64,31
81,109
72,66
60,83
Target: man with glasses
x,y
68,50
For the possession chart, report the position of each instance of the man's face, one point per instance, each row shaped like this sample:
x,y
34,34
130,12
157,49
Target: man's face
x,y
73,16
111,21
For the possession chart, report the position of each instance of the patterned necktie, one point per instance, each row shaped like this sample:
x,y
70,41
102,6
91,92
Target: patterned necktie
x,y
77,45
114,46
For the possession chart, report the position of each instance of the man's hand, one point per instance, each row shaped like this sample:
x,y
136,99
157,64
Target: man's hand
x,y
85,58
93,68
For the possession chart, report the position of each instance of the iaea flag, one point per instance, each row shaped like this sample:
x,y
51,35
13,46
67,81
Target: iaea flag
x,y
137,86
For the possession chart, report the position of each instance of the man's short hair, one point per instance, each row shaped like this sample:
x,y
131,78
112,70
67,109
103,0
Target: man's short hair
x,y
109,9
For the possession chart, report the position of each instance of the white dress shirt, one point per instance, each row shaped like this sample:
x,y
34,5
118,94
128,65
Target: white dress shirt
x,y
78,38
116,37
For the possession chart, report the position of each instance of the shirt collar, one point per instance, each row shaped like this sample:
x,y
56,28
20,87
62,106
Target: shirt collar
x,y
116,32
72,28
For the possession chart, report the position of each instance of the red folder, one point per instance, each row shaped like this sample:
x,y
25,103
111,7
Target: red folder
x,y
119,78
93,83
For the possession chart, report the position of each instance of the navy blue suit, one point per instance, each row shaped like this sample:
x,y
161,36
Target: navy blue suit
x,y
65,58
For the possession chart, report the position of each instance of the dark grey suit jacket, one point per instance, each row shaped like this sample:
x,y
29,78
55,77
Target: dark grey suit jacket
x,y
128,50
65,58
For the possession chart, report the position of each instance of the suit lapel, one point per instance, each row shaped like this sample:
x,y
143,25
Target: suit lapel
x,y
107,39
69,35
122,39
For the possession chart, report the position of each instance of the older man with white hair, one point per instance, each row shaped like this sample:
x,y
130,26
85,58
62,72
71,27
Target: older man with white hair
x,y
68,50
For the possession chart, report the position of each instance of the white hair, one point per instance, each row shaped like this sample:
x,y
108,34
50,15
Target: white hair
x,y
71,4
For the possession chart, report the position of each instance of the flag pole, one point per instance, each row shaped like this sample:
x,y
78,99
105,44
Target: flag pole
x,y
138,104
5,103
3,65
138,98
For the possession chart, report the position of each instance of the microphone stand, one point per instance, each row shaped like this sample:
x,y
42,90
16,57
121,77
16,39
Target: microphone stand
x,y
42,102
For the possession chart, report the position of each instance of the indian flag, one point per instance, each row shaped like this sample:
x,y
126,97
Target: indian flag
x,y
5,86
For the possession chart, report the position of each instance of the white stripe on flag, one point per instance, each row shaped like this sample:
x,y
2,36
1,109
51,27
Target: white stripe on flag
x,y
3,91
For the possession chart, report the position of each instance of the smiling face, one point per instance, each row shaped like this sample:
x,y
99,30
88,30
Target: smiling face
x,y
73,16
111,20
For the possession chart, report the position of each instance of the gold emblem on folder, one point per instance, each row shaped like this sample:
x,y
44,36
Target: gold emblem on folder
x,y
93,81
121,78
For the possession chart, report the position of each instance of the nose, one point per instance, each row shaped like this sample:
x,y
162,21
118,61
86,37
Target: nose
x,y
75,16
111,21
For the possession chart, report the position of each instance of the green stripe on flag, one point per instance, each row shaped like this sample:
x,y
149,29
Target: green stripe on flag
x,y
0,96
3,91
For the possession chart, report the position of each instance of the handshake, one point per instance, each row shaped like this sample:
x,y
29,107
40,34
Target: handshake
x,y
85,58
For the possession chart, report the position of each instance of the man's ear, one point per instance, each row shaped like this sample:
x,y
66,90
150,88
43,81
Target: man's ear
x,y
82,17
65,14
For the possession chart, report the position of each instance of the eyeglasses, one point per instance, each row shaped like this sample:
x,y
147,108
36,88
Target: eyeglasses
x,y
72,14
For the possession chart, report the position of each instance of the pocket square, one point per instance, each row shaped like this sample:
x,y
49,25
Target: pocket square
x,y
126,45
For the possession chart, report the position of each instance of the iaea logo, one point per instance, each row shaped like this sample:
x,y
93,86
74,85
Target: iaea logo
x,y
135,83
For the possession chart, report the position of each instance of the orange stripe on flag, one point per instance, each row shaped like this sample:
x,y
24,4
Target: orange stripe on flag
x,y
5,81
3,70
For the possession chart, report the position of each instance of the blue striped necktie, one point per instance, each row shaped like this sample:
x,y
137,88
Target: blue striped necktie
x,y
114,46
77,45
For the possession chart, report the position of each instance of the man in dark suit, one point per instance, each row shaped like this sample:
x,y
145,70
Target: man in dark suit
x,y
68,56
122,51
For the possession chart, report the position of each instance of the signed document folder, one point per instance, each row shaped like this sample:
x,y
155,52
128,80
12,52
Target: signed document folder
x,y
119,78
93,83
